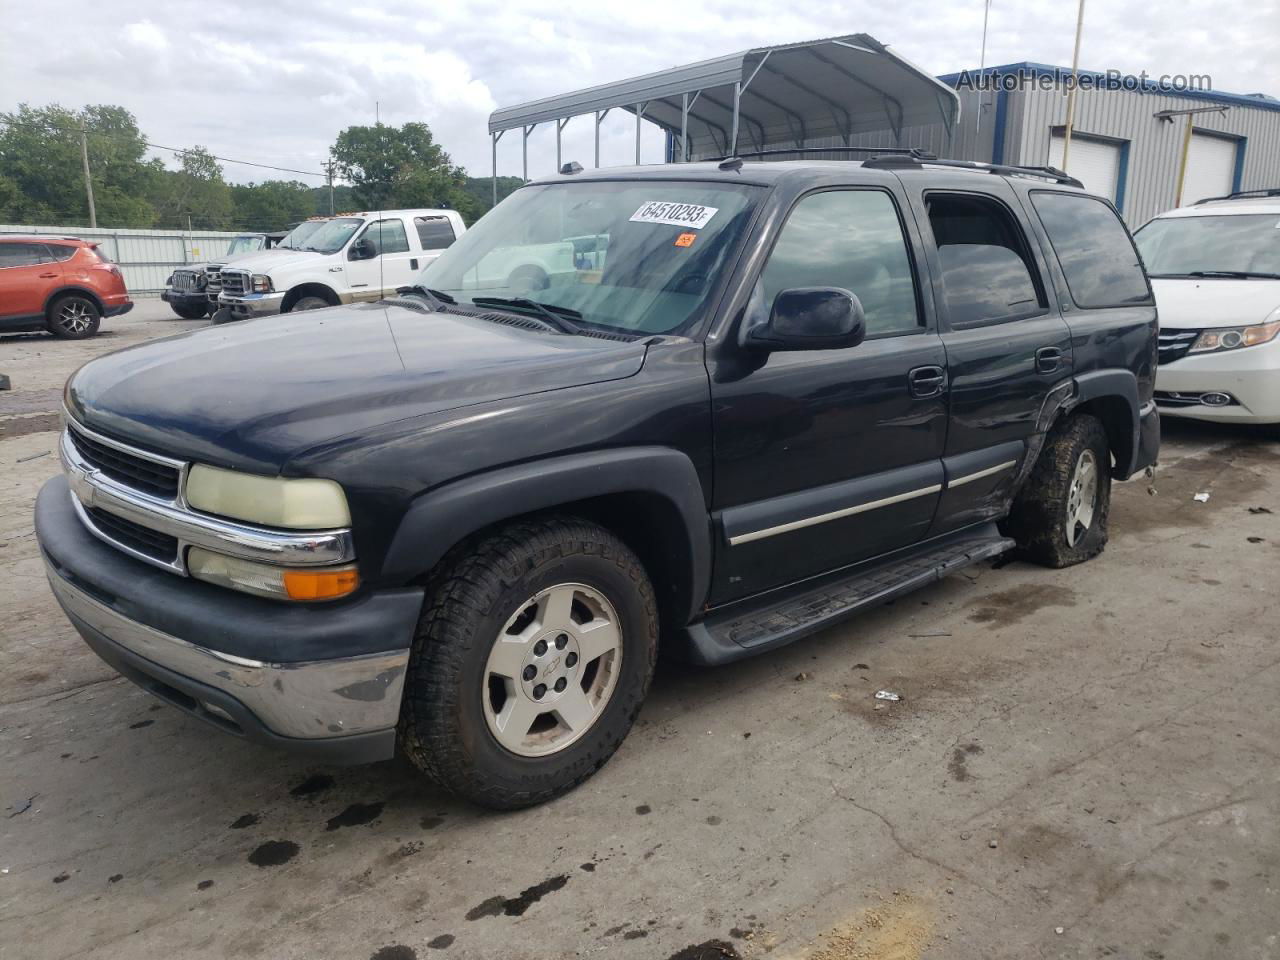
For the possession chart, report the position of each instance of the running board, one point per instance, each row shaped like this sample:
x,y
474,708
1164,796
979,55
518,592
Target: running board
x,y
780,617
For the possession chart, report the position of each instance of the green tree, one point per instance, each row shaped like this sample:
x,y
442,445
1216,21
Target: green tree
x,y
40,155
196,191
271,205
395,167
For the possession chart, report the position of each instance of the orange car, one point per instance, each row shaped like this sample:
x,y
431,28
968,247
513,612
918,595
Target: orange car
x,y
59,284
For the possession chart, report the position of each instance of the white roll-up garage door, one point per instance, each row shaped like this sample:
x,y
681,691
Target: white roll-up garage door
x,y
1095,163
1211,168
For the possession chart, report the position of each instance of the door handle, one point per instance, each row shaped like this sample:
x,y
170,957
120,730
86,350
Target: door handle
x,y
48,276
1048,359
925,382
413,263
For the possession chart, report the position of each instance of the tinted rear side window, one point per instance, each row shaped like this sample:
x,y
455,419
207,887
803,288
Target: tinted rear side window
x,y
1100,263
60,252
435,233
987,270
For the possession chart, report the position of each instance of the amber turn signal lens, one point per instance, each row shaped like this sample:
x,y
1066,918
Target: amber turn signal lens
x,y
320,584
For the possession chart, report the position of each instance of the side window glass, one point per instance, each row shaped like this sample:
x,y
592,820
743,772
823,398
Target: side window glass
x,y
1098,259
59,253
22,254
850,239
388,236
988,274
434,233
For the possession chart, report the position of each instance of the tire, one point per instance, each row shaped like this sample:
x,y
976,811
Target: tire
x,y
528,279
1058,519
74,317
187,312
222,315
464,677
309,303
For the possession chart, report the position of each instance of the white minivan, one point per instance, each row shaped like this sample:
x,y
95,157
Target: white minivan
x,y
352,257
1215,270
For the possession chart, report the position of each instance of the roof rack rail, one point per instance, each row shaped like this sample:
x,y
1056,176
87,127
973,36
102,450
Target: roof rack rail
x,y
915,152
1242,194
890,161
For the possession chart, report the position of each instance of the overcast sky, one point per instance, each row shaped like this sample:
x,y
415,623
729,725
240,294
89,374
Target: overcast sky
x,y
275,80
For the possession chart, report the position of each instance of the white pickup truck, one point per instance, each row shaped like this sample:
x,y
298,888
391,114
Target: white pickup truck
x,y
353,257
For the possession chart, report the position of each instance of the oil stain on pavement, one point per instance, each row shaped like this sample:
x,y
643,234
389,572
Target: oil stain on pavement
x,y
516,906
274,853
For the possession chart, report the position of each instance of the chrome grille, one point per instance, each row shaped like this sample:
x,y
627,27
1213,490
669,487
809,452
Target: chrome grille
x,y
150,476
153,543
186,281
213,279
235,283
1174,344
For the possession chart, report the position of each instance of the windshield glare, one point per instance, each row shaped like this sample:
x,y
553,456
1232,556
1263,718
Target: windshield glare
x,y
1177,246
639,256
332,235
297,237
244,245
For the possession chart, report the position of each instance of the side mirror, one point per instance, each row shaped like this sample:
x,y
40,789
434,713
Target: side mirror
x,y
811,318
363,249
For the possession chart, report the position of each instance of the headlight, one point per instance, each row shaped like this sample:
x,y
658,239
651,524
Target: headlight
x,y
1233,338
267,580
302,504
169,281
261,283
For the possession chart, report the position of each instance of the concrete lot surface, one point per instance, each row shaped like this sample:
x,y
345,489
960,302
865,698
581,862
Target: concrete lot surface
x,y
1083,765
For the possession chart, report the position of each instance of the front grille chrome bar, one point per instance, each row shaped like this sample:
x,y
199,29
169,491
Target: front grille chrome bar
x,y
91,488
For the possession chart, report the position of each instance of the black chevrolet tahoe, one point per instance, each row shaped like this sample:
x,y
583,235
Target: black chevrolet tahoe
x,y
736,403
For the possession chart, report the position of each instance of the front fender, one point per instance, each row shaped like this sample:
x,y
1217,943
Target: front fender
x,y
440,518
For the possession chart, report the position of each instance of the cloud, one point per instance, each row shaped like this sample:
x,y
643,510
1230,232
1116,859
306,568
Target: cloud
x,y
278,86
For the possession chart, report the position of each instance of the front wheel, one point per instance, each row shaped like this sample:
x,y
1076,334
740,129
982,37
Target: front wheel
x,y
532,658
188,311
1059,518
309,303
74,317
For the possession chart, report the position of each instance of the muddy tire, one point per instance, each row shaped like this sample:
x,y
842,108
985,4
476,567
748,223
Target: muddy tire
x,y
1059,518
532,657
222,315
73,317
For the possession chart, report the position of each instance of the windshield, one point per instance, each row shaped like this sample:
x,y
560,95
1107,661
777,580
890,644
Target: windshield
x,y
639,256
1240,243
244,245
296,238
332,235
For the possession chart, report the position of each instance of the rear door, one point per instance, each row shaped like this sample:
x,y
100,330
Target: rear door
x,y
29,272
435,235
1006,342
824,458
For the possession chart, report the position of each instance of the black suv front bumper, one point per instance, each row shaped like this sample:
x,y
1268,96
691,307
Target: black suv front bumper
x,y
325,679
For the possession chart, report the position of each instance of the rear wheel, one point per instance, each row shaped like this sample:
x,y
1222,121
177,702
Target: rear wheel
x,y
74,317
188,311
1060,516
532,658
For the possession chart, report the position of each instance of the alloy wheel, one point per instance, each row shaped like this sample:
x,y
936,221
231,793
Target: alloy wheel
x,y
75,316
1082,497
552,670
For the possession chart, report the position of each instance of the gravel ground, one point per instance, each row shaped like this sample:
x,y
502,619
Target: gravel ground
x,y
1082,766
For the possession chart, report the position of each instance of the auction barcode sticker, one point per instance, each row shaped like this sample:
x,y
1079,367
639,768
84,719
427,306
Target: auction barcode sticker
x,y
692,215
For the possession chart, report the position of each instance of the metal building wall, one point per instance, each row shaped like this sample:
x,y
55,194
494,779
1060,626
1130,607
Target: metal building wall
x,y
146,257
1154,145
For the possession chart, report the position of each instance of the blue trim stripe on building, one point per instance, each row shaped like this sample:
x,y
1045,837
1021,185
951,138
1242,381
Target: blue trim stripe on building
x,y
997,135
1238,177
1122,175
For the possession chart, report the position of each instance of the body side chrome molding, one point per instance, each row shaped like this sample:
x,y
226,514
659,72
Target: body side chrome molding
x,y
833,515
969,478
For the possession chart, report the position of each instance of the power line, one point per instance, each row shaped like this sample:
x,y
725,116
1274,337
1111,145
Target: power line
x,y
160,146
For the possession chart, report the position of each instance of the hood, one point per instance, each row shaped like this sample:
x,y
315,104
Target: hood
x,y
251,395
272,261
269,256
1199,303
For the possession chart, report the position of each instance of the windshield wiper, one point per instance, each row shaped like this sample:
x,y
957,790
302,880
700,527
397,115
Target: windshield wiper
x,y
1227,274
559,318
437,298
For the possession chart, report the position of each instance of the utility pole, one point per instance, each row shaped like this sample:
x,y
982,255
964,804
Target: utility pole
x,y
329,167
1071,93
88,180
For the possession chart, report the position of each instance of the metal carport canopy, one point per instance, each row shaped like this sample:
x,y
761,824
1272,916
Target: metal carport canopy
x,y
770,97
